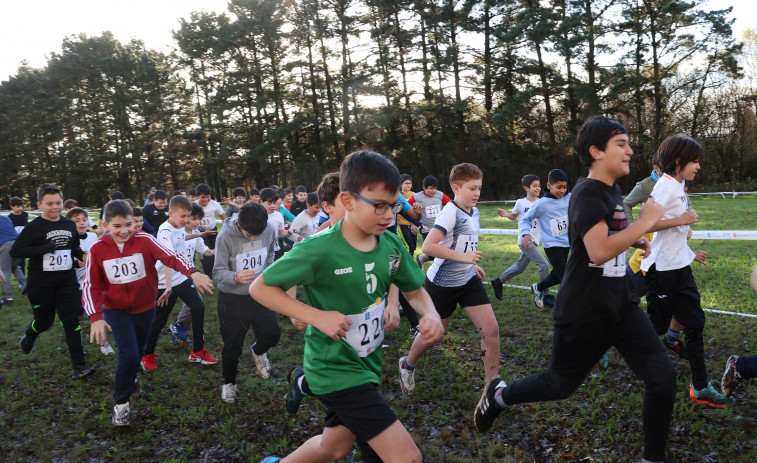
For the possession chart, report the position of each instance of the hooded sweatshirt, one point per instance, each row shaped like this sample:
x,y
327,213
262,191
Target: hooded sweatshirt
x,y
235,252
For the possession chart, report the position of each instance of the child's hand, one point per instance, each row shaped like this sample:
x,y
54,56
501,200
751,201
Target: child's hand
x,y
501,212
418,208
643,244
227,201
471,257
700,256
208,233
2,278
246,276
97,332
690,217
333,324
650,213
299,324
527,241
754,279
203,282
688,235
391,317
480,273
84,257
163,299
431,328
413,229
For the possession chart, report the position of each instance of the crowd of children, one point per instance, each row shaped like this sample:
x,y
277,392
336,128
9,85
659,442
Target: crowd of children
x,y
358,279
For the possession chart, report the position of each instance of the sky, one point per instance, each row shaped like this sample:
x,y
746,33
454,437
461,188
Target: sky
x,y
32,29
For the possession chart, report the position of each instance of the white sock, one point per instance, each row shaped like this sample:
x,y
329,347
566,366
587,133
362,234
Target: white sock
x,y
498,394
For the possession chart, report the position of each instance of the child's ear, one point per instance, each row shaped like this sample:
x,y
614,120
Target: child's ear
x,y
594,152
346,200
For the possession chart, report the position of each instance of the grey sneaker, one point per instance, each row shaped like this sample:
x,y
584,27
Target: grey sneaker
x,y
419,260
262,365
487,409
80,371
229,393
407,378
121,415
731,377
538,296
106,349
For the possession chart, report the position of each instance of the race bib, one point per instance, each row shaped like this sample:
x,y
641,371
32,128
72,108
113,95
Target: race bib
x,y
559,226
57,261
615,267
466,243
253,260
208,223
432,211
367,330
125,269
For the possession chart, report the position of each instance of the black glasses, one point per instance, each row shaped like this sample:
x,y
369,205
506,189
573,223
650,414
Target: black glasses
x,y
381,208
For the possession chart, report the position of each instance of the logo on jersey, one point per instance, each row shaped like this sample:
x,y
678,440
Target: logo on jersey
x,y
343,271
394,263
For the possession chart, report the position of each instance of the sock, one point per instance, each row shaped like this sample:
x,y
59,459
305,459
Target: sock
x,y
406,365
122,406
498,397
672,335
303,385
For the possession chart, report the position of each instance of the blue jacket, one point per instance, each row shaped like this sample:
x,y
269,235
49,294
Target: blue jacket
x,y
553,220
7,232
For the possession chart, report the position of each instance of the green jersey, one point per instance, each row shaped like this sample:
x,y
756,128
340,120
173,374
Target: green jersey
x,y
336,276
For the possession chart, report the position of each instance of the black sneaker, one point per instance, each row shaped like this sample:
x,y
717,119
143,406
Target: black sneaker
x,y
487,409
26,343
295,395
80,371
676,346
497,287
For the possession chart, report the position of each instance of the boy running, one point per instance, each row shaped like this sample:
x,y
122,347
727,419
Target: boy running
x,y
595,308
532,184
120,288
51,243
455,278
430,202
346,273
211,208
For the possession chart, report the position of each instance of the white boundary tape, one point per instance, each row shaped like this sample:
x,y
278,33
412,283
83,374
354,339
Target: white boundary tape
x,y
697,235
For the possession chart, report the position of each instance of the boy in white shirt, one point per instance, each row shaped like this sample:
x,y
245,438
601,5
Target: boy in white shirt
x,y
269,199
306,222
532,184
210,208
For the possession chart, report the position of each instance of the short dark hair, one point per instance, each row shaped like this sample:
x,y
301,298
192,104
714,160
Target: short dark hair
x,y
656,158
177,193
16,201
281,193
197,211
191,192
131,203
556,175
288,191
362,169
268,194
430,180
137,212
328,189
48,189
596,131
69,203
151,197
180,202
239,192
527,180
312,199
160,194
115,194
253,218
254,191
461,173
204,189
405,177
677,151
301,189
76,211
117,208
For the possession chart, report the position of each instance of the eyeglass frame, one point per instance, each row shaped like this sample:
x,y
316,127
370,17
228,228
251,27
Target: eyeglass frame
x,y
396,207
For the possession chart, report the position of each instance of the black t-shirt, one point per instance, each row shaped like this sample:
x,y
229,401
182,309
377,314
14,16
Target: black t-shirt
x,y
586,293
39,241
19,220
296,207
155,216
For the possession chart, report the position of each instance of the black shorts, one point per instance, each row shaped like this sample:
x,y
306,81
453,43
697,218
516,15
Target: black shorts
x,y
447,298
361,409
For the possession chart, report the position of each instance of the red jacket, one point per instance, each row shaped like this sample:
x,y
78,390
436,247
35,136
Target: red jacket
x,y
127,279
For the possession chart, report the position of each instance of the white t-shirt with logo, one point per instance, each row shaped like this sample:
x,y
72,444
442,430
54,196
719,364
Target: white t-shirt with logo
x,y
521,207
208,222
174,239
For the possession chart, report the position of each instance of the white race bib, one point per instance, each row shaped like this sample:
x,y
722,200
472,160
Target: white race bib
x,y
253,260
125,269
559,226
208,223
367,330
57,261
615,267
432,211
466,243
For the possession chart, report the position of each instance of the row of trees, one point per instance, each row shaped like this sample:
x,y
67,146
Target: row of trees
x,y
280,91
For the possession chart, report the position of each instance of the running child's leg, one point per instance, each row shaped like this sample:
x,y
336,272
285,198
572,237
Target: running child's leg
x,y
6,266
538,258
483,318
558,257
335,443
161,317
396,444
187,292
67,304
234,318
185,316
518,267
42,301
265,326
410,313
130,332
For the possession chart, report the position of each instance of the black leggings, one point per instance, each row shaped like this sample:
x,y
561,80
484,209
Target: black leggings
x,y
66,301
188,293
558,257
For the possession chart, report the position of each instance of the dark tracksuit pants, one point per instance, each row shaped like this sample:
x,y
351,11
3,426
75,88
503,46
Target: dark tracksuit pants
x,y
188,293
578,346
209,261
675,293
747,367
558,257
66,301
237,313
130,333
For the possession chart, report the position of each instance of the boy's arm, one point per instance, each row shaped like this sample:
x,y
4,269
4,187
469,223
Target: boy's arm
x,y
430,324
601,247
93,286
23,246
639,194
509,215
330,322
221,271
181,264
445,199
687,218
432,248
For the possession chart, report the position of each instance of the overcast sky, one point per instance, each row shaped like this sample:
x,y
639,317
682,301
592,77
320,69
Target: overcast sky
x,y
31,29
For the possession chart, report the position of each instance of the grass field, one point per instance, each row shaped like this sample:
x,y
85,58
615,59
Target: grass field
x,y
178,414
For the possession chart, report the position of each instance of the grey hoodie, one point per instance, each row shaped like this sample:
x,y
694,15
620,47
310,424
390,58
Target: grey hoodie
x,y
235,252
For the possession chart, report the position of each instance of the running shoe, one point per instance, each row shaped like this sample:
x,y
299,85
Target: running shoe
x,y
538,296
178,333
202,357
708,396
497,287
487,409
80,371
121,414
106,349
731,377
148,362
295,395
676,345
262,364
407,378
229,393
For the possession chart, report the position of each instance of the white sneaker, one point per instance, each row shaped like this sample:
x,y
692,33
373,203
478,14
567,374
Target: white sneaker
x,y
106,349
229,393
407,379
262,364
121,415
